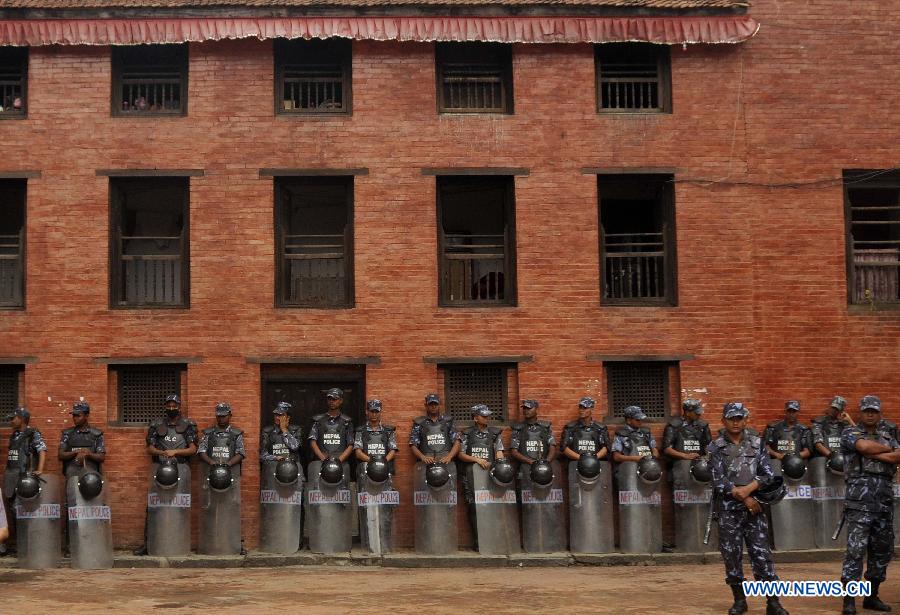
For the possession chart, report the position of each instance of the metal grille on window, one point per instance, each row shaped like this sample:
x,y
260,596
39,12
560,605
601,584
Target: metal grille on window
x,y
143,389
629,78
875,241
470,385
469,87
638,384
12,242
313,88
151,89
12,81
9,389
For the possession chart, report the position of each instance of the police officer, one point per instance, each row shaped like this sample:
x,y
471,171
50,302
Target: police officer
x,y
222,444
479,444
172,437
27,453
633,441
375,439
871,456
687,436
788,436
281,440
331,434
585,436
81,446
739,468
532,439
433,438
827,429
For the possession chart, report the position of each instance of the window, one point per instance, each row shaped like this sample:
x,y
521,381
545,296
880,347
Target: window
x,y
873,241
637,239
9,388
474,77
12,243
312,76
149,80
13,82
633,78
142,390
476,225
149,242
314,239
467,385
644,384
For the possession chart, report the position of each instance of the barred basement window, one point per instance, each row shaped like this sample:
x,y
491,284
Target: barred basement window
x,y
12,243
474,77
149,242
9,388
149,80
644,384
13,82
467,385
873,236
142,389
633,78
312,76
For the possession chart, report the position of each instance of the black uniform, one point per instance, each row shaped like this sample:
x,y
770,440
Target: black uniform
x,y
630,441
377,442
787,439
827,431
168,436
482,444
333,434
76,439
274,444
433,438
687,436
532,439
585,439
220,444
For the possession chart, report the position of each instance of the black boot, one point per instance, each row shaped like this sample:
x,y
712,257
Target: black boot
x,y
873,602
141,551
773,606
740,600
849,606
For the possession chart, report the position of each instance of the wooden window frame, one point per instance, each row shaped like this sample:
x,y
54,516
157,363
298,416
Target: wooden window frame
x,y
118,67
23,80
15,371
614,411
116,373
335,51
23,246
460,54
117,187
669,237
501,415
663,76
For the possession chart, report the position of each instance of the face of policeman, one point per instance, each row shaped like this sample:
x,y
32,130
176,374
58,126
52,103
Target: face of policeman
x,y
691,415
432,409
584,413
373,416
80,420
223,421
869,417
529,413
481,421
790,416
735,425
634,423
334,404
172,409
17,422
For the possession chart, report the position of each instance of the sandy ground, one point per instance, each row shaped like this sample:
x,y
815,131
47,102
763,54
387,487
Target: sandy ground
x,y
621,590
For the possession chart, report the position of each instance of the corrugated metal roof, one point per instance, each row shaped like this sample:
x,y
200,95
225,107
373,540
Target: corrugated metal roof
x,y
187,4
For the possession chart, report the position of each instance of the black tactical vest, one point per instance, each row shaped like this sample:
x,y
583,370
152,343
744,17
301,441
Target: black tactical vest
x,y
534,439
331,433
481,443
172,437
434,437
376,442
587,439
831,431
221,443
275,441
19,456
741,460
689,436
637,441
82,441
787,439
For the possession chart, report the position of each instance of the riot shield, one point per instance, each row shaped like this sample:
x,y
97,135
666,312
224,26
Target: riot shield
x,y
38,526
591,528
435,509
280,512
640,517
791,528
328,512
827,504
169,515
376,504
495,513
543,524
691,503
90,527
220,515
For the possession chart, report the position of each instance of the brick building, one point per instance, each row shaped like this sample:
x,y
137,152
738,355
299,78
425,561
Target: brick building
x,y
632,200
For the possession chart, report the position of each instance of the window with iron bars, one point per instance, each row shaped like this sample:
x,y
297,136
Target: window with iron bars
x,y
9,388
312,77
637,239
142,389
12,243
872,203
476,225
466,385
149,262
474,78
13,82
314,239
644,384
633,78
149,80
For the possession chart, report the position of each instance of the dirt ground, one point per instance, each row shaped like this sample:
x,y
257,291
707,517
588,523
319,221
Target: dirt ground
x,y
697,590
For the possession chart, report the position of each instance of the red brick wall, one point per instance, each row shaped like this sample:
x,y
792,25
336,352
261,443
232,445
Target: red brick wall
x,y
761,270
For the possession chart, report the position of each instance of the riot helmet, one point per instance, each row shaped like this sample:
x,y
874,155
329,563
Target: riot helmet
x,y
377,470
541,473
287,472
166,475
649,470
503,473
836,462
332,472
90,484
28,487
793,466
437,475
220,478
588,466
700,470
773,493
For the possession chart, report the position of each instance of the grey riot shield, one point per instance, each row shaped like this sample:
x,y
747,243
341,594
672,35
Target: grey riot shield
x,y
495,513
220,516
90,527
376,504
328,512
640,518
827,504
38,526
691,502
543,522
791,528
280,512
169,515
591,528
435,509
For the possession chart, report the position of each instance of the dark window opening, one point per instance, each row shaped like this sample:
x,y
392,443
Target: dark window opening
x,y
149,242
142,390
644,384
312,76
637,239
9,388
474,77
633,77
468,385
873,209
477,240
12,243
314,238
149,80
13,82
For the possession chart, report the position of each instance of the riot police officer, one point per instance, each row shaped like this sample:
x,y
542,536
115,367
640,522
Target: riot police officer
x,y
687,436
220,519
633,441
788,436
81,447
433,438
479,444
281,440
331,434
27,453
585,436
375,439
739,470
532,439
827,429
222,444
871,456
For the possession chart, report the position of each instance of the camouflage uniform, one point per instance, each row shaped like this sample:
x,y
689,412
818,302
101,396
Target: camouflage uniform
x,y
827,430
